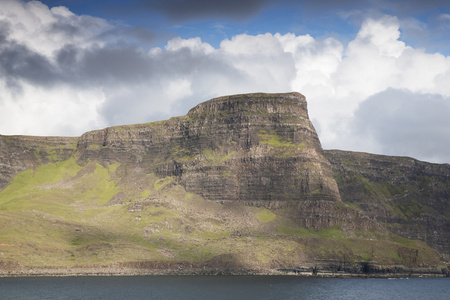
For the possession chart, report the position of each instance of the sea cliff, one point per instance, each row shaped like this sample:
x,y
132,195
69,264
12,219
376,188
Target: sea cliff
x,y
239,185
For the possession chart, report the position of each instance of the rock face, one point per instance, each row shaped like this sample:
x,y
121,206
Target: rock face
x,y
254,149
18,153
236,173
264,149
407,196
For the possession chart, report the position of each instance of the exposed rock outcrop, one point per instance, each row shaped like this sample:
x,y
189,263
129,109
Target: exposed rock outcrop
x,y
18,153
240,184
253,149
409,197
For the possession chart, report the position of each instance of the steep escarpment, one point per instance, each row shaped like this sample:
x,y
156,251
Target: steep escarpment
x,y
264,148
240,185
407,196
254,149
18,153
265,152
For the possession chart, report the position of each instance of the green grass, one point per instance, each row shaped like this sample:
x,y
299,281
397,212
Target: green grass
x,y
161,183
32,183
145,193
52,153
280,147
58,214
290,228
99,187
215,158
264,215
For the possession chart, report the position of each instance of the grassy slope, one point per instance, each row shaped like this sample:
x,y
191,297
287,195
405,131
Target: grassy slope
x,y
64,214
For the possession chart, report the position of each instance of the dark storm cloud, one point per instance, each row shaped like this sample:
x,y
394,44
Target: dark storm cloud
x,y
113,56
139,33
185,10
18,62
406,123
414,6
389,6
74,66
239,10
106,64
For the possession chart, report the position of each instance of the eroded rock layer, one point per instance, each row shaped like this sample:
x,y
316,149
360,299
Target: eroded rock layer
x,y
18,153
253,149
407,196
240,183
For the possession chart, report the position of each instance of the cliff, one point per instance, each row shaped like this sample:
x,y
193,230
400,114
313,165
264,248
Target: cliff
x,y
18,153
241,183
407,196
257,149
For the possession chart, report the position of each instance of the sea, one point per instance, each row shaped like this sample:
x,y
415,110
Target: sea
x,y
222,287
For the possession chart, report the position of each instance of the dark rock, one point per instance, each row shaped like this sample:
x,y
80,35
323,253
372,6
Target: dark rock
x,y
253,149
18,153
407,196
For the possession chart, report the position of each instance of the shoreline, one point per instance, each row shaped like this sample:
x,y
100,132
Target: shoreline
x,y
114,272
219,268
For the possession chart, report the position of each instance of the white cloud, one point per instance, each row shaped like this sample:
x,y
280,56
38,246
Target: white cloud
x,y
400,122
445,17
63,74
59,110
376,61
45,30
194,44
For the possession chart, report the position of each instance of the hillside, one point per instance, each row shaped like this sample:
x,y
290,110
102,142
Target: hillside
x,y
407,196
239,185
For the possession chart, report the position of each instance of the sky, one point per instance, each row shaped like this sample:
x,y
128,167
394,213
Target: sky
x,y
376,74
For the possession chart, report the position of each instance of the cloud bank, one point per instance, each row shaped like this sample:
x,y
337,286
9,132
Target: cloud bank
x,y
64,74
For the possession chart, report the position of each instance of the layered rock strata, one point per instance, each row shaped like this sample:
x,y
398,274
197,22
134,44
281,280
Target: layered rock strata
x,y
248,152
407,196
18,153
253,149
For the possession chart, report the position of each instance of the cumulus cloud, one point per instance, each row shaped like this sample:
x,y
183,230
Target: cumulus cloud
x,y
375,61
400,122
63,74
38,94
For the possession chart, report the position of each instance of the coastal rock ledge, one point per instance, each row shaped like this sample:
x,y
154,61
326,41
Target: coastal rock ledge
x,y
239,185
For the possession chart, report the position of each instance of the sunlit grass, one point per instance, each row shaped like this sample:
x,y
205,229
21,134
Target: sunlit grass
x,y
59,214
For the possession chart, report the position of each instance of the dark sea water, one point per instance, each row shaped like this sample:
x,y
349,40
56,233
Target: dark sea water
x,y
222,287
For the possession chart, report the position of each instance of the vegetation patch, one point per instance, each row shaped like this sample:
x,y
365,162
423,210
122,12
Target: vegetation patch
x,y
216,159
145,193
35,182
99,187
333,232
264,215
280,147
160,183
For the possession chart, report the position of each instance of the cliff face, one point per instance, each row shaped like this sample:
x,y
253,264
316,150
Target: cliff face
x,y
18,153
241,182
255,149
265,149
407,196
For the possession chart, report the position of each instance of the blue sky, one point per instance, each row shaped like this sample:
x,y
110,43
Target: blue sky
x,y
224,19
375,73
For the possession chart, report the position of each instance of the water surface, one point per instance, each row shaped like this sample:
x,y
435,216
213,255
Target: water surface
x,y
222,287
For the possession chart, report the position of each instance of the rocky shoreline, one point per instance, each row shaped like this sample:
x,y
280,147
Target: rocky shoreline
x,y
372,271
